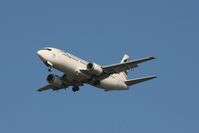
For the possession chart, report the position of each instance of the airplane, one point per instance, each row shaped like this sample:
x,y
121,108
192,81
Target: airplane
x,y
77,72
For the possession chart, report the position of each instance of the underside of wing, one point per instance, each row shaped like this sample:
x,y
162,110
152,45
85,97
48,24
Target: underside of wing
x,y
116,68
139,80
45,88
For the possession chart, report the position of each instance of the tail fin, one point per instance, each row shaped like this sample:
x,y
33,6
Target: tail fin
x,y
125,59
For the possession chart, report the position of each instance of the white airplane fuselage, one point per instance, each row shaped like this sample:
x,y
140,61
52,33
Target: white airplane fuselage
x,y
71,66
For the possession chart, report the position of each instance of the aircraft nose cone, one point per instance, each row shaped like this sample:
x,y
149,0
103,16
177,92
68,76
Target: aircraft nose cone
x,y
40,54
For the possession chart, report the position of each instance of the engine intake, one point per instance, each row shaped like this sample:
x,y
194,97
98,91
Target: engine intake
x,y
94,69
55,81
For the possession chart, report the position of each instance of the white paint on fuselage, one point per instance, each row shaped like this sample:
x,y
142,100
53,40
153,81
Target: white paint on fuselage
x,y
71,66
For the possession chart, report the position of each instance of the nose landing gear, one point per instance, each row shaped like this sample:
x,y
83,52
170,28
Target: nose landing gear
x,y
49,65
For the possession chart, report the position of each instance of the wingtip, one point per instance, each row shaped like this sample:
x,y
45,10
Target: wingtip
x,y
151,77
38,90
154,77
152,57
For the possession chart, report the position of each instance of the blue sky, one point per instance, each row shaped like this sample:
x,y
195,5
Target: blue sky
x,y
100,31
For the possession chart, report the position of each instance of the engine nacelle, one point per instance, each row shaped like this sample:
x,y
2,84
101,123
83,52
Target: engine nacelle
x,y
55,81
94,69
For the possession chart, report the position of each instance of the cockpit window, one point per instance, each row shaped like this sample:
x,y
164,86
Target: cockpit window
x,y
47,49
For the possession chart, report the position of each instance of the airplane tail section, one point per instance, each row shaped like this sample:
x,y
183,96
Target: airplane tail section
x,y
125,59
138,80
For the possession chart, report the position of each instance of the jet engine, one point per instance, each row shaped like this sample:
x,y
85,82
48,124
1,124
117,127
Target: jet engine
x,y
55,81
94,69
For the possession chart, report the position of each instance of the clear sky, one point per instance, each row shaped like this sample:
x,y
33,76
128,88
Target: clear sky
x,y
101,31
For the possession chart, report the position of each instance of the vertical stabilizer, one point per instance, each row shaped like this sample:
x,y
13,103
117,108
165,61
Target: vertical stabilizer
x,y
125,59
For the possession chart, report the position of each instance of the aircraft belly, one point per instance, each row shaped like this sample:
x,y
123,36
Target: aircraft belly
x,y
66,66
71,69
112,84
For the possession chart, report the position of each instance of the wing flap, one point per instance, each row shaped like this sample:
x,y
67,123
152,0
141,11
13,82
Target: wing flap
x,y
139,80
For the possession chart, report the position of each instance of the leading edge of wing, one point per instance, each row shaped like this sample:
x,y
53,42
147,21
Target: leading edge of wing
x,y
45,88
116,68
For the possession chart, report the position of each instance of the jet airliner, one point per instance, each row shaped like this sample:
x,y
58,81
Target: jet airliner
x,y
77,72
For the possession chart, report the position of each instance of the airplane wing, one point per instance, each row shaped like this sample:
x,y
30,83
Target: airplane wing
x,y
49,87
139,80
45,88
120,67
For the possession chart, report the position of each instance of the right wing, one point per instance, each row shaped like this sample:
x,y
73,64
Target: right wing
x,y
45,88
55,88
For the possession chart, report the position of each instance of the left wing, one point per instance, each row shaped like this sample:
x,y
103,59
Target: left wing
x,y
120,67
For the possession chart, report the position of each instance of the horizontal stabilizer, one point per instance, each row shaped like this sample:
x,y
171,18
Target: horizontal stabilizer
x,y
139,80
